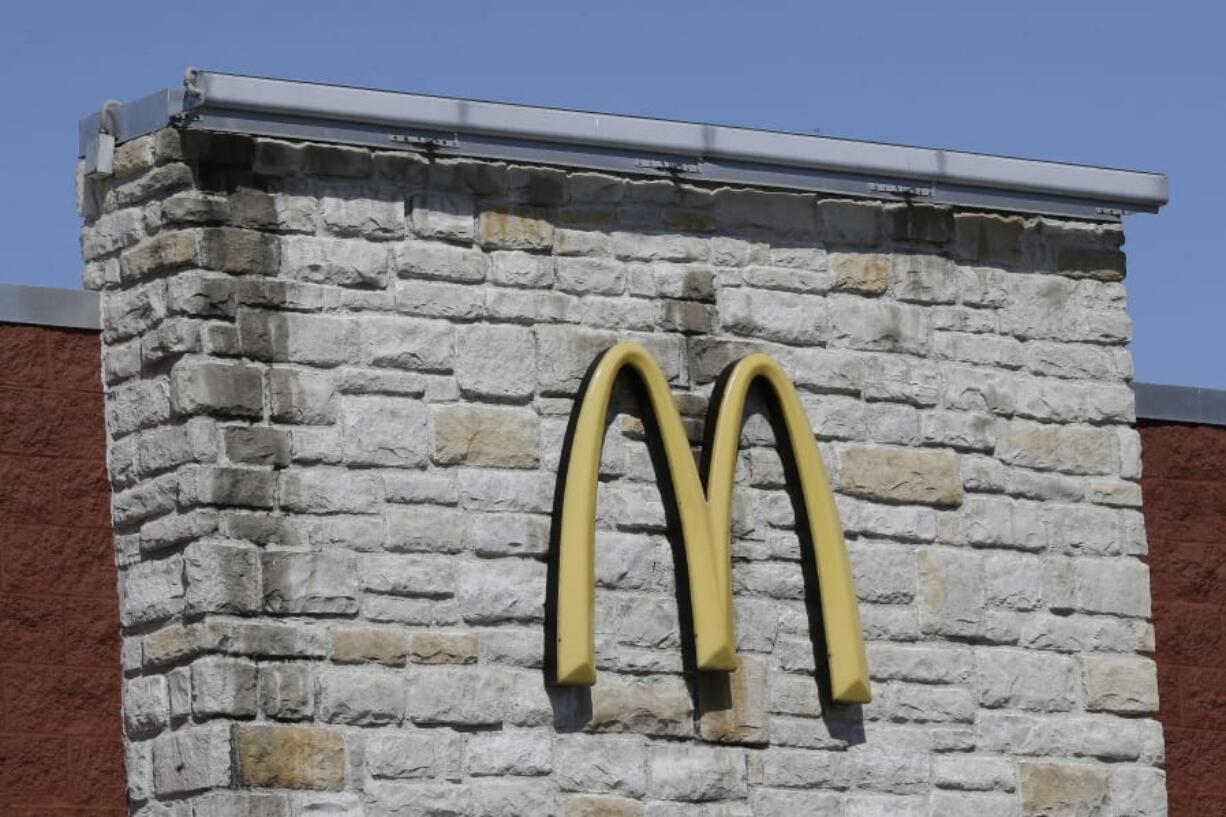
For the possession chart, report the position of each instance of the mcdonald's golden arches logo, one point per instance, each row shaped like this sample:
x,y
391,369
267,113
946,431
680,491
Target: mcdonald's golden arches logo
x,y
705,520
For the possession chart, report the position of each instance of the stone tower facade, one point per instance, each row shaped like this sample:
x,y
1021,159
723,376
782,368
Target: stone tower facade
x,y
338,385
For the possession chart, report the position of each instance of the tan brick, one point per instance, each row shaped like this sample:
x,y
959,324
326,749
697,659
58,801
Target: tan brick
x,y
660,706
1049,447
1121,684
290,757
444,648
591,805
866,273
1063,790
735,706
900,475
356,645
483,435
517,228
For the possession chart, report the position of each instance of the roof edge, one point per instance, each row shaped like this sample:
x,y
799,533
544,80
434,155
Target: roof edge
x,y
629,144
1183,404
49,306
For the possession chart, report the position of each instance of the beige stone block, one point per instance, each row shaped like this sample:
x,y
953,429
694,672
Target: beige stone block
x,y
900,475
484,435
357,645
517,229
290,757
1063,790
660,706
166,251
735,706
174,643
591,805
1120,684
444,648
866,273
1049,447
1115,492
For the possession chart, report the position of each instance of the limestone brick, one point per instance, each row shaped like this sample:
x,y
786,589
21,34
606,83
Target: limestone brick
x,y
290,757
900,475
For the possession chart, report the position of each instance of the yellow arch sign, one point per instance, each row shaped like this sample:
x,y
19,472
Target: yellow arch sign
x,y
705,521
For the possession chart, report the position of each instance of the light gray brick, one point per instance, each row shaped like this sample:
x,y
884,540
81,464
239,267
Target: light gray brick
x,y
496,361
873,325
521,269
1118,586
385,431
439,216
192,759
371,218
1021,679
952,597
361,696
145,706
502,590
509,753
330,261
221,578
287,691
218,389
329,490
602,764
695,775
223,687
310,583
405,343
778,316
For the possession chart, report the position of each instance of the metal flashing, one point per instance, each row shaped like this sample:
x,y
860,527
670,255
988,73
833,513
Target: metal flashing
x,y
1181,404
49,306
636,145
132,119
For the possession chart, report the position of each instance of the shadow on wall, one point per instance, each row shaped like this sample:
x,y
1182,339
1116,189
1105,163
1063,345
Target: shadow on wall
x,y
710,691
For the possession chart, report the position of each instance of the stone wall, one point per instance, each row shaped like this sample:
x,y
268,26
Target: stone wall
x,y
1185,515
338,384
60,741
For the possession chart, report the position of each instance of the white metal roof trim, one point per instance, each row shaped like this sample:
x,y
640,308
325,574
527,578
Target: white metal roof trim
x,y
49,306
334,102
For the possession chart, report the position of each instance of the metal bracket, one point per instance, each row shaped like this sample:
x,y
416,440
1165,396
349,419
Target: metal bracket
x,y
669,166
904,190
425,142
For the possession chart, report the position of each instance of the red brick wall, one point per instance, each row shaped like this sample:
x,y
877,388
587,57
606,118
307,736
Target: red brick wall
x,y
1185,517
61,753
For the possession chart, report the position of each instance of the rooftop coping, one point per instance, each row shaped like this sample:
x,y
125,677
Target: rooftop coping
x,y
49,306
665,148
1181,404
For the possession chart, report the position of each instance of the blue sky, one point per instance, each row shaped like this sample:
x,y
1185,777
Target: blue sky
x,y
1126,84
